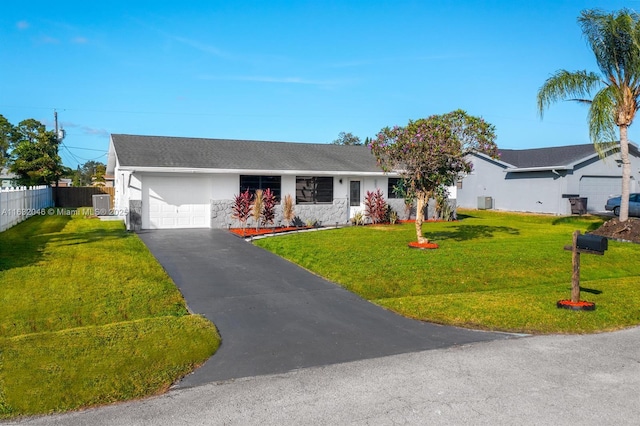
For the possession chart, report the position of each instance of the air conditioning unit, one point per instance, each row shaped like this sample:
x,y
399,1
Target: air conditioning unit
x,y
485,203
101,204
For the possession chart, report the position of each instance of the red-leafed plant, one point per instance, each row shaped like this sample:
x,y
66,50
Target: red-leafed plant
x,y
268,207
242,207
375,206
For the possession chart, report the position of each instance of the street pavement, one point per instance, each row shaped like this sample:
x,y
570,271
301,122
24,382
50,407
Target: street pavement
x,y
557,379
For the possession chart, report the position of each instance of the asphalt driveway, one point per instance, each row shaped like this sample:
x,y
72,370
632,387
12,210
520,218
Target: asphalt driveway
x,y
275,317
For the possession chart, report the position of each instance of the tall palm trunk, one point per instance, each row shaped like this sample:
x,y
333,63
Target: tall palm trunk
x,y
626,173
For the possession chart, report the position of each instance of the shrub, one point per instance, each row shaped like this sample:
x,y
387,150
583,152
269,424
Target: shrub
x,y
358,219
375,206
242,207
392,216
288,213
444,210
268,207
258,202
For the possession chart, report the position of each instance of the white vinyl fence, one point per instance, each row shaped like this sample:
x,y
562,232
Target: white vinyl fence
x,y
18,204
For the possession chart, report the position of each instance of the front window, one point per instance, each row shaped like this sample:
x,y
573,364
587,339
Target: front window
x,y
391,187
253,182
314,189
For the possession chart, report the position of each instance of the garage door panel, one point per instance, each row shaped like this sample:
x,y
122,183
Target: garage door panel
x,y
597,189
177,202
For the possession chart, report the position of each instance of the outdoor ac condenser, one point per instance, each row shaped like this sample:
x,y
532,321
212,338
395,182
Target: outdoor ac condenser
x,y
101,204
485,203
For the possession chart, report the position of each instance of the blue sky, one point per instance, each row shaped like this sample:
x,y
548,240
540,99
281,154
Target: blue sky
x,y
298,71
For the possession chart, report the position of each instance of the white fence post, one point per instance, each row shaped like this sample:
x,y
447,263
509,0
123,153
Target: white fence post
x,y
18,204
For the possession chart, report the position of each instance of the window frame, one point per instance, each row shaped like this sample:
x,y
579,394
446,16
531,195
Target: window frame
x,y
317,195
391,195
263,184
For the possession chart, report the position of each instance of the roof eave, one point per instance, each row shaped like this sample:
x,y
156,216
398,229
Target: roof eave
x,y
191,170
536,169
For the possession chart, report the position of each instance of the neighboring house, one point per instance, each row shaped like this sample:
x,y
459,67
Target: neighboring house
x,y
176,182
7,179
544,180
64,183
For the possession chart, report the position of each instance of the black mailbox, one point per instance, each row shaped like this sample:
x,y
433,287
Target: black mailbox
x,y
592,242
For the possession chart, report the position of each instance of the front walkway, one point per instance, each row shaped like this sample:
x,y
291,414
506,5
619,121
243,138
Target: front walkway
x,y
275,317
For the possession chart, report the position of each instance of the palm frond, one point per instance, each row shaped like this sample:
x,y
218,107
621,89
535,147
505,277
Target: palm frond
x,y
601,119
566,85
615,41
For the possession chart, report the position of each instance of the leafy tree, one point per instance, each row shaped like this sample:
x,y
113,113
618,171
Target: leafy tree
x,y
98,178
400,189
91,172
6,135
615,41
347,139
34,154
431,152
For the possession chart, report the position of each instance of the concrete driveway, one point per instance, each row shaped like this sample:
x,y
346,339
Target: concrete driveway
x,y
275,317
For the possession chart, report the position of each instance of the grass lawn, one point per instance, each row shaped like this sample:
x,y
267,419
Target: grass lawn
x,y
88,317
493,270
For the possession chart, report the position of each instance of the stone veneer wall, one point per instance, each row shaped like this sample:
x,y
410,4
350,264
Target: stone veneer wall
x,y
322,214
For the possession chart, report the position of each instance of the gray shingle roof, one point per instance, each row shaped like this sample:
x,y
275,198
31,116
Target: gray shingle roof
x,y
546,157
162,151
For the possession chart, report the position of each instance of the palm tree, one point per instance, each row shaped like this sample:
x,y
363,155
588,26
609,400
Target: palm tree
x,y
615,41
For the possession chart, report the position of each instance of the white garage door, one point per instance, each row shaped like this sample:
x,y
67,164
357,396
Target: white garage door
x,y
598,189
176,202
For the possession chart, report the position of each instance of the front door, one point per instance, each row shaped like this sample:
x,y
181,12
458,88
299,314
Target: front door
x,y
355,198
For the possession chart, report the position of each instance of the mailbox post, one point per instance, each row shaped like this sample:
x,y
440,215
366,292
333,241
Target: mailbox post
x,y
591,244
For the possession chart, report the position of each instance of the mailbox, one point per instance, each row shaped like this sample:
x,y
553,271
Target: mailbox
x,y
592,242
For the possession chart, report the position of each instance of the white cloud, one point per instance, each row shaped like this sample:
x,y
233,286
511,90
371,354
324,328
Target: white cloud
x,y
22,25
79,40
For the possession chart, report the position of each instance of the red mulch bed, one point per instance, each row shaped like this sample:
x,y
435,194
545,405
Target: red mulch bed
x,y
424,246
576,306
252,232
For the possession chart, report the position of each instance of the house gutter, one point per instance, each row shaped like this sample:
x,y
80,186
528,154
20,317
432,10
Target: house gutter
x,y
186,170
552,169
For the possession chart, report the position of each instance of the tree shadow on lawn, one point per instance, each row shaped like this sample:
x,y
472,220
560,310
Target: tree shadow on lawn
x,y
580,221
471,232
25,243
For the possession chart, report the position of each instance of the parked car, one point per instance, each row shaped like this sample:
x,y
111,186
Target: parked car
x,y
613,204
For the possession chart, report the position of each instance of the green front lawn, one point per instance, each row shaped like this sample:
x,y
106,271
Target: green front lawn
x,y
88,317
493,270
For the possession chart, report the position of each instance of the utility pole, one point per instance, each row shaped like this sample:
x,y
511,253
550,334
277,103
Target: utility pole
x,y
59,133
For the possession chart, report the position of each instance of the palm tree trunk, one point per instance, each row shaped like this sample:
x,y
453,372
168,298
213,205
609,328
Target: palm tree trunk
x,y
626,173
421,199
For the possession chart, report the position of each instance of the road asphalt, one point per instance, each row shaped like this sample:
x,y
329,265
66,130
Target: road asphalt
x,y
557,379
